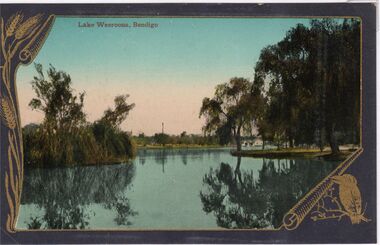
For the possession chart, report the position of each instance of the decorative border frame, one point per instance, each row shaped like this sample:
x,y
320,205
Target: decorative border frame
x,y
20,43
27,38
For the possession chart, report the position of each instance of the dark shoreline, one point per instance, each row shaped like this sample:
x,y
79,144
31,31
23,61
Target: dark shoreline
x,y
106,163
293,153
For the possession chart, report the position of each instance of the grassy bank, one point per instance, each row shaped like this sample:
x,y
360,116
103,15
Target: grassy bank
x,y
293,153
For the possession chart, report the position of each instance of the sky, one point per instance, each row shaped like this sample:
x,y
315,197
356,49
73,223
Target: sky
x,y
166,70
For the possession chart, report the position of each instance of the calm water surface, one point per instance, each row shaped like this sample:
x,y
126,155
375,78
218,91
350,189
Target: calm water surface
x,y
166,189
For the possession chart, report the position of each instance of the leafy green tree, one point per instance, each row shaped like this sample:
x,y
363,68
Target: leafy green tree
x,y
64,137
229,112
64,118
311,84
118,115
33,143
115,142
337,52
63,109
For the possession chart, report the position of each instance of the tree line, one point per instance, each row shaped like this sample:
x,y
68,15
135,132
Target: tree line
x,y
305,91
65,137
181,139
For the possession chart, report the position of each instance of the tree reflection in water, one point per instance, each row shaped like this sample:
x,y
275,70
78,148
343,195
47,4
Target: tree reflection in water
x,y
64,194
239,200
161,156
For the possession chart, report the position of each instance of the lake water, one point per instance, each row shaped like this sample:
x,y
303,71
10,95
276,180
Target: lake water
x,y
168,189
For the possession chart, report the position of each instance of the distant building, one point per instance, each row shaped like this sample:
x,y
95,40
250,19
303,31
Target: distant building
x,y
252,143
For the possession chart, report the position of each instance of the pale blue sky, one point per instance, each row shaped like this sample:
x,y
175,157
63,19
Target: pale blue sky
x,y
166,70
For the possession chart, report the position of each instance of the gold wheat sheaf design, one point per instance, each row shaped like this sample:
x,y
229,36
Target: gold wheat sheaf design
x,y
7,114
13,23
13,181
18,35
27,27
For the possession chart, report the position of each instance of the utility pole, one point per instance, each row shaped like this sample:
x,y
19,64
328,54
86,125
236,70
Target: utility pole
x,y
162,128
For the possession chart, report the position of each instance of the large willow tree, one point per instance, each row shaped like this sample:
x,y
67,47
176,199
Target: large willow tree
x,y
312,88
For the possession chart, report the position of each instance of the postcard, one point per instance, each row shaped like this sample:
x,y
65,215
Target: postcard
x,y
188,123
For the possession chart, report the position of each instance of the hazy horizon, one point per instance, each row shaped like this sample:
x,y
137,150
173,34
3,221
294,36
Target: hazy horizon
x,y
167,70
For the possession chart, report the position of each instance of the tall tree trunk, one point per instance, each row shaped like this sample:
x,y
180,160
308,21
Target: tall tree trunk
x,y
238,142
332,140
238,139
291,144
321,139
